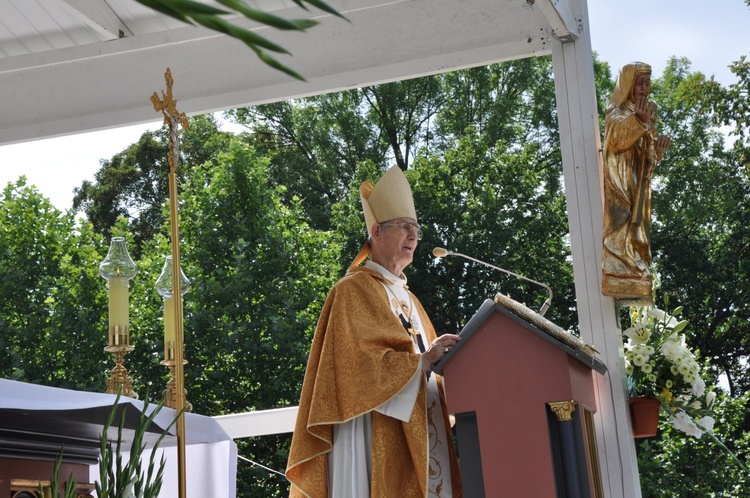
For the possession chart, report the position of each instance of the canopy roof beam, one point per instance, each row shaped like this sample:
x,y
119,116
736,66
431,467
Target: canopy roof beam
x,y
99,16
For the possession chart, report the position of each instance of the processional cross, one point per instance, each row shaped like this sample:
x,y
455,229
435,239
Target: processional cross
x,y
174,119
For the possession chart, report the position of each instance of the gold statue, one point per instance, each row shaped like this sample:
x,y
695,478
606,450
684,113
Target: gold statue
x,y
632,149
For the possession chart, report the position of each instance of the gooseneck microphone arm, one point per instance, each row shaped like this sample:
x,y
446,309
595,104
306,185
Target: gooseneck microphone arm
x,y
439,252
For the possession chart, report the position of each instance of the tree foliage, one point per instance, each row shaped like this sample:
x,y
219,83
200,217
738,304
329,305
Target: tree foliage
x,y
50,299
492,130
133,183
674,466
314,146
700,236
260,277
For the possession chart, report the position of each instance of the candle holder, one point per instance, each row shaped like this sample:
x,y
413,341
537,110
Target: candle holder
x,y
164,286
170,393
117,269
120,380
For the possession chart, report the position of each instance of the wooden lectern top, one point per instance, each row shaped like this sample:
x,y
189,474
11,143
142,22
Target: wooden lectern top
x,y
535,323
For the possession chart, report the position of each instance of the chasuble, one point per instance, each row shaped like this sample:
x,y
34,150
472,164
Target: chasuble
x,y
362,365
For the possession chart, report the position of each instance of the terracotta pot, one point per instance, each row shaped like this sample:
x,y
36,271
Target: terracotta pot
x,y
644,416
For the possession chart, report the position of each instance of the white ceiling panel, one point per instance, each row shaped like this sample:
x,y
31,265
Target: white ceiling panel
x,y
63,71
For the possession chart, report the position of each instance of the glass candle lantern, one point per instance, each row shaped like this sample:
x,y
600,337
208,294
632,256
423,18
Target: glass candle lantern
x,y
118,268
164,286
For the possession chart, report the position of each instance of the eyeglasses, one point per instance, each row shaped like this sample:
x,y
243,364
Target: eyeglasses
x,y
406,227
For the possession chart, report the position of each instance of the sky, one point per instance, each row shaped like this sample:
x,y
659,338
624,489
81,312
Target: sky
x,y
710,33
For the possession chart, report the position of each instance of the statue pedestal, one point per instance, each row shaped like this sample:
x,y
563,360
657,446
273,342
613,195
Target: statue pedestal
x,y
628,291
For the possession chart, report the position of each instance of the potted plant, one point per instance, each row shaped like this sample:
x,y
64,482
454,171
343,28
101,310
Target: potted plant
x,y
661,368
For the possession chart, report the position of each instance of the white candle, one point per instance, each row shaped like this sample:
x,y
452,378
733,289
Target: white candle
x,y
119,316
168,326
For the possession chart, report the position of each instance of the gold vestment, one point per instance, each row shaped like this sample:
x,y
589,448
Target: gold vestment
x,y
361,356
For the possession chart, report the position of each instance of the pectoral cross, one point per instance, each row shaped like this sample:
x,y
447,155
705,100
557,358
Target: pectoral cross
x,y
415,336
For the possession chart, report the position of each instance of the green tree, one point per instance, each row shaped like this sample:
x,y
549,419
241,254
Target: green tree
x,y
317,144
52,300
29,271
260,275
402,111
78,314
504,104
674,466
604,84
492,189
270,219
504,208
700,236
133,183
314,146
500,118
487,193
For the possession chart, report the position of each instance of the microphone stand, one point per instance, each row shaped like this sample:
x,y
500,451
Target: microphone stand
x,y
439,252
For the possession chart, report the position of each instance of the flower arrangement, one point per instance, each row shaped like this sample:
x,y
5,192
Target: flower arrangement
x,y
659,364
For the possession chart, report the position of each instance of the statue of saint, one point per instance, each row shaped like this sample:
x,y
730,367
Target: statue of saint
x,y
632,149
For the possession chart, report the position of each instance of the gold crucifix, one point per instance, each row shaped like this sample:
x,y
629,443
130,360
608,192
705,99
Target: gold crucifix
x,y
172,118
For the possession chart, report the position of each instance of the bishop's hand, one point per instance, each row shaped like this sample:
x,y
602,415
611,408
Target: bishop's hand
x,y
438,349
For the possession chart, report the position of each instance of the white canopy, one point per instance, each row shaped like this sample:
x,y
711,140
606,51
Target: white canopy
x,y
69,66
37,421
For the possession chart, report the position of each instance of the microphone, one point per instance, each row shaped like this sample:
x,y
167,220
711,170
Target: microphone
x,y
439,252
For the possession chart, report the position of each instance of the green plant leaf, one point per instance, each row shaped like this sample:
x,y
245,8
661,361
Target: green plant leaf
x,y
278,65
680,326
264,17
190,7
321,5
181,9
188,11
160,7
248,37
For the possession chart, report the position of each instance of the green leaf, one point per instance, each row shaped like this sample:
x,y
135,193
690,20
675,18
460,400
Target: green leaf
x,y
190,7
189,10
321,5
160,7
681,325
264,17
248,37
278,65
181,9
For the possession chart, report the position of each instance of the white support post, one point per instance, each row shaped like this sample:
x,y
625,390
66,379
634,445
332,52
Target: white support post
x,y
580,146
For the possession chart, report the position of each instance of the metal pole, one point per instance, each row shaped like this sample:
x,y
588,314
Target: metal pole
x,y
179,368
173,119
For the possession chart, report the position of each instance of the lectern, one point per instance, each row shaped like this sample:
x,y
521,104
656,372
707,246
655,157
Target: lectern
x,y
522,391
